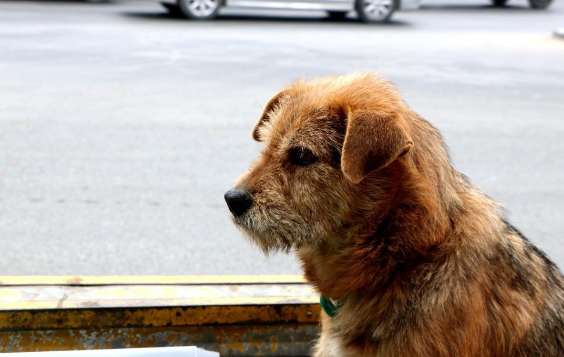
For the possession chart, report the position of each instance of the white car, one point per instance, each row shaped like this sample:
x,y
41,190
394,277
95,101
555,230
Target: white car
x,y
367,10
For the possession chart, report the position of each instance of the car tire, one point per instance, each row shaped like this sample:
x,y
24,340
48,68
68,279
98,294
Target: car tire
x,y
499,3
375,11
539,4
199,9
337,15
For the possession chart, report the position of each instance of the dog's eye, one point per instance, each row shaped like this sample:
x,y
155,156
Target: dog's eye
x,y
301,156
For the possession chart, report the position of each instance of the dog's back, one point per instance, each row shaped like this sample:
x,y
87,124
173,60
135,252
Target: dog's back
x,y
534,274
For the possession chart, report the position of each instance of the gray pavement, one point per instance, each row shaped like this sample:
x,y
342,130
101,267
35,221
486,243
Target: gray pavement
x,y
121,127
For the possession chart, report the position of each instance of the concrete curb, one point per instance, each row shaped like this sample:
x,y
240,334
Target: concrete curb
x,y
559,32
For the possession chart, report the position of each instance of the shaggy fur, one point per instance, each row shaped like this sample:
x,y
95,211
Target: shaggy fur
x,y
422,262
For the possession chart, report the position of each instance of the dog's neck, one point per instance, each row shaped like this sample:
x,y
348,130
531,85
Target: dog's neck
x,y
369,275
369,256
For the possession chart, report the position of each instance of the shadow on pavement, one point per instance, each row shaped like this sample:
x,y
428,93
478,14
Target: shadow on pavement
x,y
227,18
70,2
85,2
475,8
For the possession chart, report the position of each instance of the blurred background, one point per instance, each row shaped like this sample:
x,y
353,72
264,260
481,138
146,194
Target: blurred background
x,y
123,123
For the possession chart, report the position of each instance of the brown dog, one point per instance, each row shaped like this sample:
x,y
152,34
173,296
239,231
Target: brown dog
x,y
413,258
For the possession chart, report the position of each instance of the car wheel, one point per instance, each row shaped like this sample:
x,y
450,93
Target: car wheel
x,y
199,9
539,4
499,3
375,10
337,15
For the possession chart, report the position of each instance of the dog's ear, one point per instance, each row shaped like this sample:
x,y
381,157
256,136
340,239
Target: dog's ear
x,y
372,141
265,117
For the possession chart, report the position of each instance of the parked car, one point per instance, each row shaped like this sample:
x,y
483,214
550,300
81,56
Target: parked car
x,y
367,10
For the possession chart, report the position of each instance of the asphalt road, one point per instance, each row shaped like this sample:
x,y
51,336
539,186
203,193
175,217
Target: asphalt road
x,y
121,127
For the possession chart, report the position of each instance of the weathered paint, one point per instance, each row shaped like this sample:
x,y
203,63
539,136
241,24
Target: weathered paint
x,y
57,297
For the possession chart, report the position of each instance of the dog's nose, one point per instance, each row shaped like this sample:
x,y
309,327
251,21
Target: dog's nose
x,y
238,201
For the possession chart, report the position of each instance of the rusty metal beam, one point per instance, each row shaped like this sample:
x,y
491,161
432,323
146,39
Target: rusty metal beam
x,y
98,318
238,316
236,340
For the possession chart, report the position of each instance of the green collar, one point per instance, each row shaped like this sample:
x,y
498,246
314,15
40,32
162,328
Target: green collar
x,y
329,306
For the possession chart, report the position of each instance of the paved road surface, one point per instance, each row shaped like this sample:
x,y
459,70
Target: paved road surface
x,y
121,127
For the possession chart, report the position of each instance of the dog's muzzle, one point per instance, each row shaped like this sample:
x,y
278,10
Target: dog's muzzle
x,y
238,200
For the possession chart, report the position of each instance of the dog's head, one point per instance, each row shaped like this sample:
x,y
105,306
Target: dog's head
x,y
330,148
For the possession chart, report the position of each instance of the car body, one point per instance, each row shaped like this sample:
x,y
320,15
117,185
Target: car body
x,y
324,5
367,10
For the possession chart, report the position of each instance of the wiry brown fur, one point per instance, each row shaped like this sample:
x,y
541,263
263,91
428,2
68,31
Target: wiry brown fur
x,y
422,262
